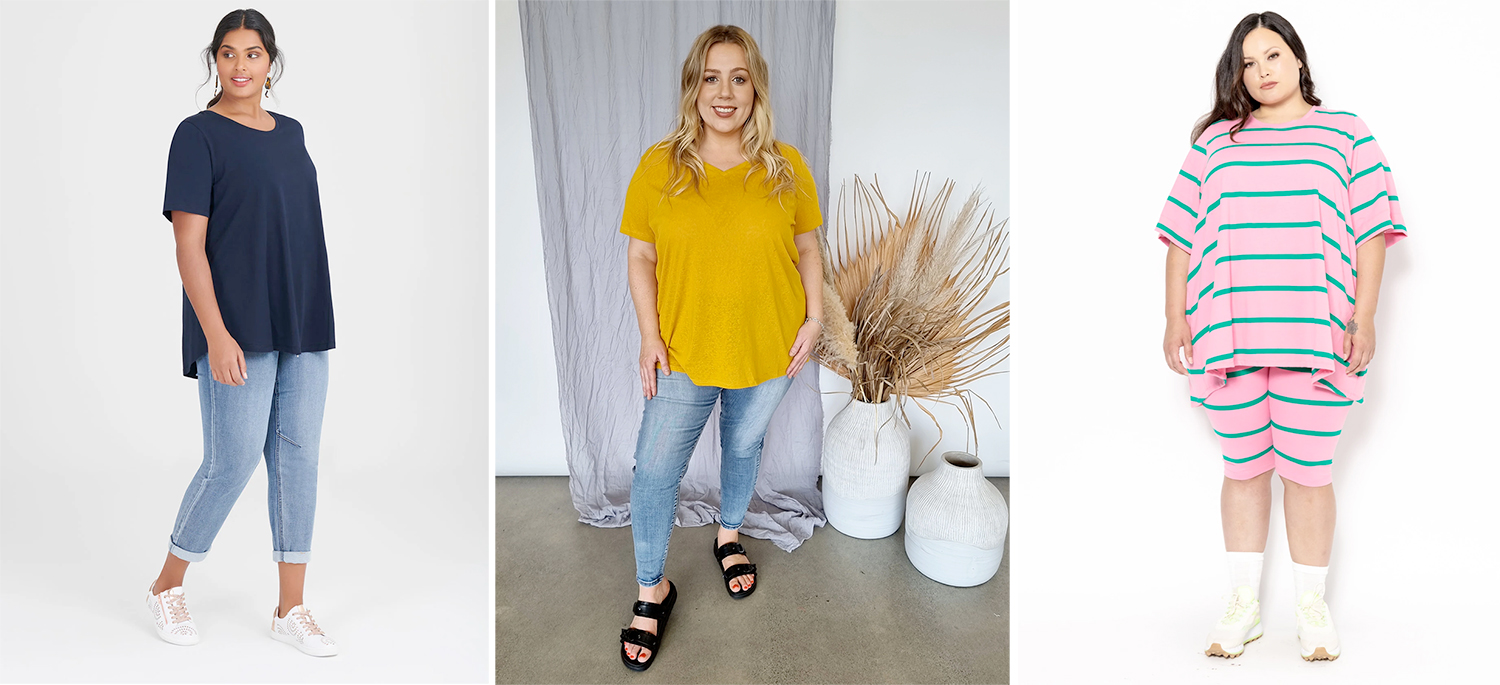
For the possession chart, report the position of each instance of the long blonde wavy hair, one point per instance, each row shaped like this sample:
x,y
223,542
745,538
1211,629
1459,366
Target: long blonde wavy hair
x,y
757,135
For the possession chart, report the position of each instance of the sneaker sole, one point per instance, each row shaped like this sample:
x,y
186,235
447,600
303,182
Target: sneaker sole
x,y
180,642
1217,649
1320,654
287,639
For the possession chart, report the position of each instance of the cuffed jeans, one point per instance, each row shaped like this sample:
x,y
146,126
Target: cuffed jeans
x,y
277,413
670,427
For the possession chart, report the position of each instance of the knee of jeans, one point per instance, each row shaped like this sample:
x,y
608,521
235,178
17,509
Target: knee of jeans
x,y
744,448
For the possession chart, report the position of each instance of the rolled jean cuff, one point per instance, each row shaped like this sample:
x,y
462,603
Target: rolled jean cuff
x,y
658,582
185,555
726,526
291,557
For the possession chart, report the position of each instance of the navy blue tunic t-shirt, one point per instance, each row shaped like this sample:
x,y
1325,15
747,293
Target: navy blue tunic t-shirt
x,y
265,245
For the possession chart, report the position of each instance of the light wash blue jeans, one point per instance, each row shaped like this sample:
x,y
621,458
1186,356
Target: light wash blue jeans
x,y
670,426
278,413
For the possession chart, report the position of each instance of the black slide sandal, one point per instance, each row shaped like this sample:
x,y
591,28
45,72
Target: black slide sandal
x,y
636,636
730,549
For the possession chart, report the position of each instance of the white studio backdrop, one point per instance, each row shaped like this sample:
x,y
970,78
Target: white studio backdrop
x,y
101,433
935,125
1123,474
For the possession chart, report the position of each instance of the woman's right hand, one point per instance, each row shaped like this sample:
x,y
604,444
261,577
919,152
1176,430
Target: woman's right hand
x,y
227,360
652,352
1179,337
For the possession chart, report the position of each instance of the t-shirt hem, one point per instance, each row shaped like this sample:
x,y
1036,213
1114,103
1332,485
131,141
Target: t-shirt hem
x,y
189,367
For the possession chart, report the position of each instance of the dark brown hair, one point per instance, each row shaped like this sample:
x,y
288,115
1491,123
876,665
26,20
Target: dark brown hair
x,y
245,19
1231,100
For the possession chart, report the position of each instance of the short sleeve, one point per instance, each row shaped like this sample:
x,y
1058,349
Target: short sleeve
x,y
1179,217
190,177
809,214
1374,205
635,221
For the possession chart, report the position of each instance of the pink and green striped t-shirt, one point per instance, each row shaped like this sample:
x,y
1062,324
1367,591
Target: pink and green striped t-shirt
x,y
1272,221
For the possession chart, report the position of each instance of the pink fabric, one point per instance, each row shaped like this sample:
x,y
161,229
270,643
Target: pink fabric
x,y
1272,221
1273,418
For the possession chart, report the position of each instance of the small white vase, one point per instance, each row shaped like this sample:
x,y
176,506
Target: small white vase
x,y
866,468
955,523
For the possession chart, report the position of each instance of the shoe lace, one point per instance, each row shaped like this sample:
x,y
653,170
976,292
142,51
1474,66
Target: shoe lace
x,y
1313,610
176,608
304,618
1236,609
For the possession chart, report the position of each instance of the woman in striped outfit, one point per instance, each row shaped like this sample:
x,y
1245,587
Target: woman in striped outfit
x,y
1276,227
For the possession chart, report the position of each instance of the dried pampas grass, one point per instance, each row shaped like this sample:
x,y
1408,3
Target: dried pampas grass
x,y
902,298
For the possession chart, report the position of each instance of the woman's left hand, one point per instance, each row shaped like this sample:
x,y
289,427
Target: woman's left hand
x,y
1359,343
807,339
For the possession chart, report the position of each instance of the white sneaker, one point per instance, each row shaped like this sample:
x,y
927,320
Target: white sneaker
x,y
1320,642
169,610
299,630
1239,625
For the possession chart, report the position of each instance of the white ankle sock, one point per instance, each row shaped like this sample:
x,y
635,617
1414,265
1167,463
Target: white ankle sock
x,y
1309,578
1244,569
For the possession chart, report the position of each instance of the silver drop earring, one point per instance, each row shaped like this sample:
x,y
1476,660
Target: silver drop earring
x,y
216,84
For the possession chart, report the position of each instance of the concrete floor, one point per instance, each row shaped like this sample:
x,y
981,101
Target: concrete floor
x,y
837,610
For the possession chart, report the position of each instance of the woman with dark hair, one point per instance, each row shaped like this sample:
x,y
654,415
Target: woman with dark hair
x,y
727,285
1276,229
257,322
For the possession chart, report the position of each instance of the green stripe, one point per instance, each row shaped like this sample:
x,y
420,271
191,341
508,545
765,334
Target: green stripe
x,y
1378,165
1270,193
1184,207
1315,403
1189,311
1286,350
1190,177
1329,111
1271,224
1242,372
1335,319
1201,258
1362,141
1281,162
1335,150
1199,149
1336,391
1252,257
1241,461
1289,128
1304,431
1173,233
1272,288
1258,319
1295,460
1246,433
1371,202
1338,247
1232,407
1374,230
1204,291
1340,287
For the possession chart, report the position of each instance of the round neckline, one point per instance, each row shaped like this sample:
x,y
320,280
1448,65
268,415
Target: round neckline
x,y
273,129
1310,110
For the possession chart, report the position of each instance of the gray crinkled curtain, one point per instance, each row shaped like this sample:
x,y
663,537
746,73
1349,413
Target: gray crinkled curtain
x,y
602,78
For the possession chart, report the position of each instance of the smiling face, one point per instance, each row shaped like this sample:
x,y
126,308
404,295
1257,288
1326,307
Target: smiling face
x,y
242,64
726,95
1270,70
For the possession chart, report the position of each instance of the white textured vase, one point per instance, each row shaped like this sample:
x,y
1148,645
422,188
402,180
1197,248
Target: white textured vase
x,y
955,523
866,468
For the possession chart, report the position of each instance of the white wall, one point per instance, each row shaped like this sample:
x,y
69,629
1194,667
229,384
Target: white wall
x,y
528,420
915,86
1121,527
925,86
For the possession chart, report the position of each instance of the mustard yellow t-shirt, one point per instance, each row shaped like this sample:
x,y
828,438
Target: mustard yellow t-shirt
x,y
728,296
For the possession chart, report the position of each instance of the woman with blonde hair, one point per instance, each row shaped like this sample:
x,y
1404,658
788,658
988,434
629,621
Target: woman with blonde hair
x,y
727,285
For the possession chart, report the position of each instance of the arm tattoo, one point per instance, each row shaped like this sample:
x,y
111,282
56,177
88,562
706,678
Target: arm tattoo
x,y
1353,327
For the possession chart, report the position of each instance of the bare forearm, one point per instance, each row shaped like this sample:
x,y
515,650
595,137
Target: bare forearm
x,y
1367,285
1177,270
643,294
198,283
810,268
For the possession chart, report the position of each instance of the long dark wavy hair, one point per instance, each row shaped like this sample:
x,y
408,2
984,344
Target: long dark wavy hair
x,y
1231,100
244,19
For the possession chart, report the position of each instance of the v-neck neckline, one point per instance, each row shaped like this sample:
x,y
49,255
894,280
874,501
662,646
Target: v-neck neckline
x,y
725,171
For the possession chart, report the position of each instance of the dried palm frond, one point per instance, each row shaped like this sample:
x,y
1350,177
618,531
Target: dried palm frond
x,y
902,298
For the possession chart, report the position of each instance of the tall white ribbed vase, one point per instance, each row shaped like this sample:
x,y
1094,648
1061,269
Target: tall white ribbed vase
x,y
955,523
866,468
